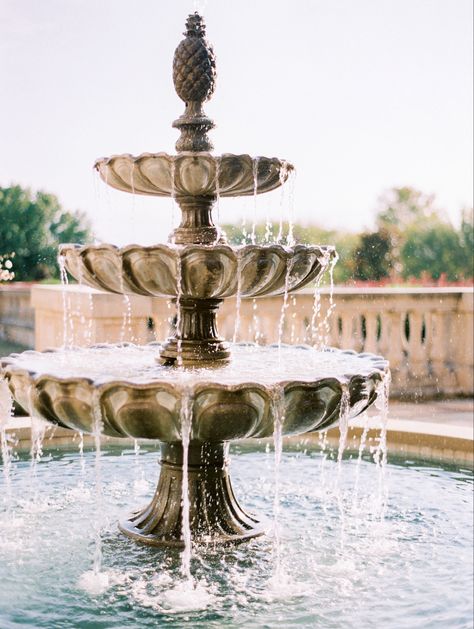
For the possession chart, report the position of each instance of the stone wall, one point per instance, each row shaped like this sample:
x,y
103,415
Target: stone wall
x,y
426,333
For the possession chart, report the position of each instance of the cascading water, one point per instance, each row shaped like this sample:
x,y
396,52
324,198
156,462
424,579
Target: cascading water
x,y
238,299
253,236
6,412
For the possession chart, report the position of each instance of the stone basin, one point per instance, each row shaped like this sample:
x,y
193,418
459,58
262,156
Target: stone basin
x,y
237,401
206,272
197,174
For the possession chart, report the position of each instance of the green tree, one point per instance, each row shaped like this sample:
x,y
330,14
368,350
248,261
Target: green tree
x,y
32,225
372,257
433,250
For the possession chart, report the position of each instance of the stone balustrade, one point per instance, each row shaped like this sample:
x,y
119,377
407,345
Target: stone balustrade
x,y
16,315
425,333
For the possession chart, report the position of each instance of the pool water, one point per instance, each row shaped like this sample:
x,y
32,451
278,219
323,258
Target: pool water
x,y
355,545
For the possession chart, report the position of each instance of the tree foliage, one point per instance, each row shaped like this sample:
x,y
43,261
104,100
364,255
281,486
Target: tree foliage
x,y
32,225
373,256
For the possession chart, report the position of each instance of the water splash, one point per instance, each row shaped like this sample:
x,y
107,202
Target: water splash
x,y
68,325
218,162
283,173
362,446
326,327
126,328
253,235
38,430
186,423
256,322
380,455
291,184
98,430
281,324
80,447
6,413
238,297
174,208
179,294
344,408
293,320
278,404
315,324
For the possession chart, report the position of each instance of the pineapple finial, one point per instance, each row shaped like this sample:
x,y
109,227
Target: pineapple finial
x,y
194,75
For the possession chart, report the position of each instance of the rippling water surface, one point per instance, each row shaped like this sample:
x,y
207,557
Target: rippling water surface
x,y
349,556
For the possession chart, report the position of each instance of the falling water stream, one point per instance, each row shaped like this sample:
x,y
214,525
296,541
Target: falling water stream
x,y
186,423
179,294
253,236
281,324
238,298
6,412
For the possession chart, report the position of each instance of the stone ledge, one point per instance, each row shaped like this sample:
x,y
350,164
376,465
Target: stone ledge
x,y
437,441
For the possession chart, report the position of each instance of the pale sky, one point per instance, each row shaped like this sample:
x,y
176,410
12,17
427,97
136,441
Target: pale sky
x,y
361,95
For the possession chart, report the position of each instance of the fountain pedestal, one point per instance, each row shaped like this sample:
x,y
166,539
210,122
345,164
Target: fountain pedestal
x,y
196,341
214,514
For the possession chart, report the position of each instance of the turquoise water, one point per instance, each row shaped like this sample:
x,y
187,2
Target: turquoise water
x,y
359,547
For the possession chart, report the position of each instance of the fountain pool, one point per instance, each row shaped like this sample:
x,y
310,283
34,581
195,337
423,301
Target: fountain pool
x,y
344,559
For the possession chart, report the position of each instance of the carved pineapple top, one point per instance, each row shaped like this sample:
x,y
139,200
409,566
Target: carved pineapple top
x,y
194,63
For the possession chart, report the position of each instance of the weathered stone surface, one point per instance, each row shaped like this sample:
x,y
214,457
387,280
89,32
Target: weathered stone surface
x,y
193,174
205,272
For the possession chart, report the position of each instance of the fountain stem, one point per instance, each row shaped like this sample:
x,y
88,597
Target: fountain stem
x,y
215,516
197,226
196,341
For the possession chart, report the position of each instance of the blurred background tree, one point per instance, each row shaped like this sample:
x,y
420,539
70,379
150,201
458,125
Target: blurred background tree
x,y
32,225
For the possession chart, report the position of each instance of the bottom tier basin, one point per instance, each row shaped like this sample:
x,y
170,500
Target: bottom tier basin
x,y
121,391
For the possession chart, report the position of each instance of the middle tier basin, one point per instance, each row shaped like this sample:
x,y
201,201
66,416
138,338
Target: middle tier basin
x,y
197,271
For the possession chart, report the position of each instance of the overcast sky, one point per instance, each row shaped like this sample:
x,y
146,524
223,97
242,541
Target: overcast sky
x,y
361,95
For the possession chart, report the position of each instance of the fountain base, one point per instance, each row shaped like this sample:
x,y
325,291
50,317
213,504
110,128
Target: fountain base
x,y
215,516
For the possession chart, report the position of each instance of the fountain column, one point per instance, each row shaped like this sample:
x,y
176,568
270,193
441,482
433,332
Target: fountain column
x,y
214,514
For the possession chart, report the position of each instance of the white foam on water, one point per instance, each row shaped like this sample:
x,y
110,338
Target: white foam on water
x,y
283,586
141,487
184,596
97,583
250,363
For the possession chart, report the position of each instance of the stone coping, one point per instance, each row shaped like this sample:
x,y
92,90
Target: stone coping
x,y
428,437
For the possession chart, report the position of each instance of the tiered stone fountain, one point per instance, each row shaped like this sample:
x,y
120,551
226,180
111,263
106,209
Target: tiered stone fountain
x,y
195,392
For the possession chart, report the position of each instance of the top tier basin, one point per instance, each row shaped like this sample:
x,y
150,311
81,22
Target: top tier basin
x,y
193,174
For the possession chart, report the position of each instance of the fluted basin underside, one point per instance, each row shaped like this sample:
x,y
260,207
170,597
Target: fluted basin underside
x,y
203,272
141,399
196,174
